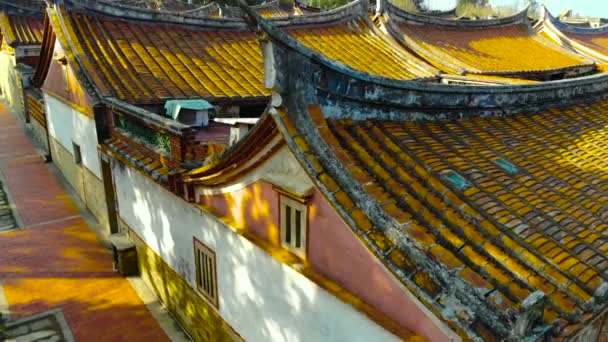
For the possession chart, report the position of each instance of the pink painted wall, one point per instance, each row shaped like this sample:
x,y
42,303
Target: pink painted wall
x,y
255,206
333,251
336,252
61,81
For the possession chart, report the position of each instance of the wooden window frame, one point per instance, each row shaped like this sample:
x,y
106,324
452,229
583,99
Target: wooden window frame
x,y
77,153
290,241
210,296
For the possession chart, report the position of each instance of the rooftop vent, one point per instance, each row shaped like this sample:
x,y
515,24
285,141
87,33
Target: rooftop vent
x,y
189,112
460,182
507,166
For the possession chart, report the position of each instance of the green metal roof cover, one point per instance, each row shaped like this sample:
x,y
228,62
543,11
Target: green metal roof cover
x,y
174,106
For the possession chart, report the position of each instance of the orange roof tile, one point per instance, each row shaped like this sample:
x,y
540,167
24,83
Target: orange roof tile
x,y
357,45
598,41
492,50
147,63
506,46
532,215
21,30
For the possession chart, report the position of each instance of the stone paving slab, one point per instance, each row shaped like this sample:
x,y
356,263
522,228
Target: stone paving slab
x,y
61,264
49,326
7,220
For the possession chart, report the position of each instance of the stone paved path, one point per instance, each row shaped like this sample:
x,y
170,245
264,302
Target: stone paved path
x,y
7,220
55,261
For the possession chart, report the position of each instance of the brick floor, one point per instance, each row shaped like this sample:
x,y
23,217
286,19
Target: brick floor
x,y
61,263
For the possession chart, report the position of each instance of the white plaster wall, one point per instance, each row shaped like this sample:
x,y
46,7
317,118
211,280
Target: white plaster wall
x,y
8,81
66,124
262,299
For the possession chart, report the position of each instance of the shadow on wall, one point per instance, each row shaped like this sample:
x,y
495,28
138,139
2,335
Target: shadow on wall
x,y
261,298
9,81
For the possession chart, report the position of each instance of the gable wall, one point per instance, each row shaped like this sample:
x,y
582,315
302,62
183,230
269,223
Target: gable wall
x,y
333,248
261,298
61,82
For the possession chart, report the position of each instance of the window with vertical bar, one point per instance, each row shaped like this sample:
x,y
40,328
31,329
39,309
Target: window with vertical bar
x,y
293,223
206,272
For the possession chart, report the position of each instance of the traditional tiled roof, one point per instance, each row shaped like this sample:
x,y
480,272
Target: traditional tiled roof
x,y
21,29
531,215
590,42
347,36
505,46
488,203
155,58
21,23
148,166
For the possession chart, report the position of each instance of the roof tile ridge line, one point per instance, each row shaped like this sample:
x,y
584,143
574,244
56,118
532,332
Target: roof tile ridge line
x,y
157,17
428,56
561,49
413,59
271,32
354,9
269,29
570,51
83,76
439,13
572,29
459,290
208,7
516,18
232,151
262,6
47,46
556,33
144,115
28,10
6,29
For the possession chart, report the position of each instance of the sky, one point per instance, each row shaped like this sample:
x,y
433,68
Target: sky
x,y
593,8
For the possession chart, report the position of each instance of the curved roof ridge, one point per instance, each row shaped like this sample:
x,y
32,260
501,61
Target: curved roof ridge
x,y
30,8
357,8
272,6
440,13
156,16
422,19
207,9
413,95
264,5
572,29
354,10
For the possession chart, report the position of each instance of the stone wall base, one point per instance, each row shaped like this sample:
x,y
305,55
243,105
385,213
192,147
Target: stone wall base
x,y
88,187
38,135
194,314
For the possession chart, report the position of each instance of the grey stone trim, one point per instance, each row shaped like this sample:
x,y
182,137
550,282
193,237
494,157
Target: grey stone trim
x,y
421,19
572,29
355,9
149,118
50,325
12,7
153,16
236,12
348,93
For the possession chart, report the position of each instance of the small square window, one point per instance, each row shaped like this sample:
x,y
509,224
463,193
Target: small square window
x,y
77,153
293,225
206,274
